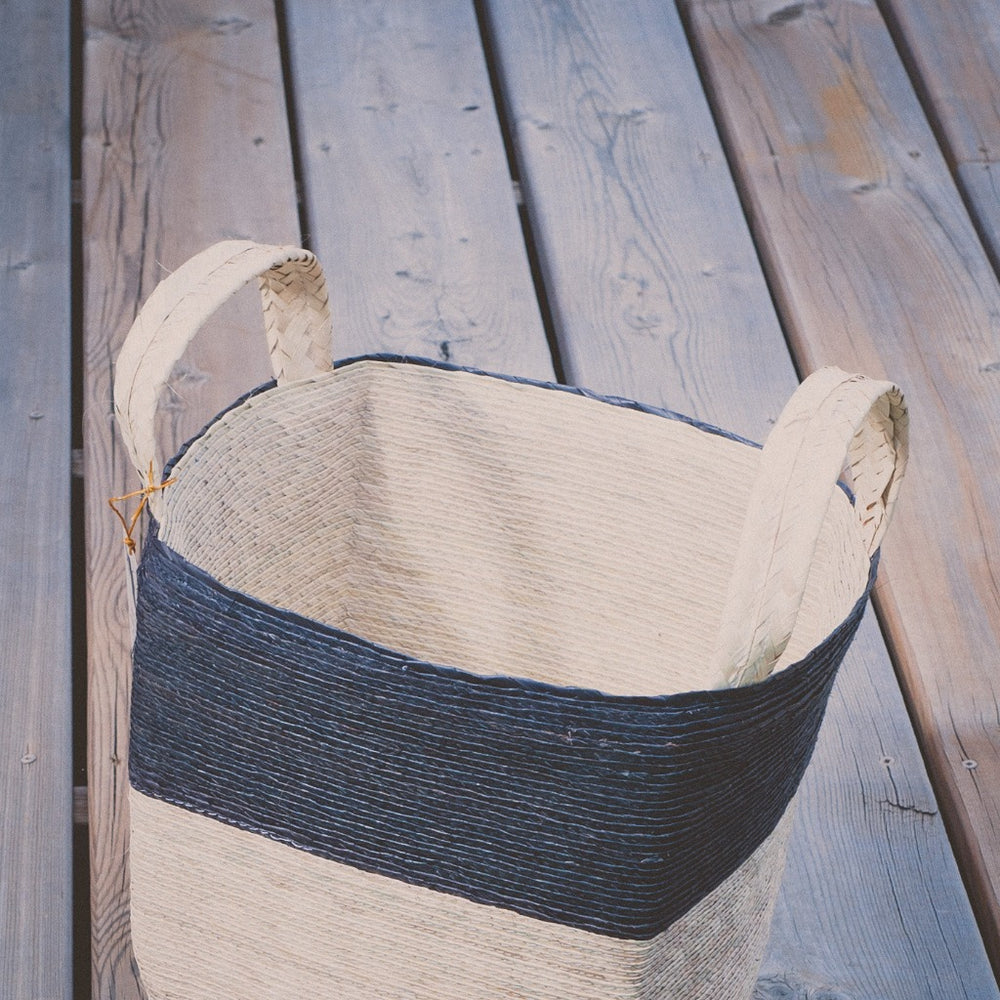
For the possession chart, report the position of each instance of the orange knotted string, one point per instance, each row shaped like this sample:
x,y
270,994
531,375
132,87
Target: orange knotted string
x,y
145,493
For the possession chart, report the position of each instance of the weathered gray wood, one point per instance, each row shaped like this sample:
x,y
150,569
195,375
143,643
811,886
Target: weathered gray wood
x,y
981,184
658,294
651,273
185,142
954,50
180,73
35,668
409,196
875,264
872,906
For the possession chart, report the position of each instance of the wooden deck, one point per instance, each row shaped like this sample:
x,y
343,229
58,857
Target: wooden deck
x,y
686,205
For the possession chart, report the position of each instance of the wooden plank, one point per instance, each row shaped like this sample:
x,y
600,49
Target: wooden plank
x,y
954,54
185,142
954,51
658,294
872,905
409,196
35,673
875,264
640,234
981,184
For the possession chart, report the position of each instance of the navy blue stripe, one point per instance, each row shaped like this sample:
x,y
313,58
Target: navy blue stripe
x,y
608,813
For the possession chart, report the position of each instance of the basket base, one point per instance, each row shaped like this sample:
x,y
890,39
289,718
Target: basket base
x,y
218,913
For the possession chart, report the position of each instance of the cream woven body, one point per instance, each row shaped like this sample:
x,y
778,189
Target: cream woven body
x,y
489,525
297,926
507,530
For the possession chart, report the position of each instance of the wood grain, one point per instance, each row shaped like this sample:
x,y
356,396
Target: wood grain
x,y
872,905
875,264
954,50
648,261
185,142
35,672
407,187
621,163
981,184
641,237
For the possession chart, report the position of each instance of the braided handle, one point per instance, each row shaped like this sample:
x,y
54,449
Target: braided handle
x,y
296,318
832,416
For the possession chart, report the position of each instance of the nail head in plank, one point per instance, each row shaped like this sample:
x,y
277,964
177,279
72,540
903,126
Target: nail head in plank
x,y
954,50
36,904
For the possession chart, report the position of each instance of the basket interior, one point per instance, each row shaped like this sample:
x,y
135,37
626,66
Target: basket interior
x,y
494,526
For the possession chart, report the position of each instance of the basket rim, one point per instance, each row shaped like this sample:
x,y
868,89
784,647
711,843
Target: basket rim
x,y
415,361
692,699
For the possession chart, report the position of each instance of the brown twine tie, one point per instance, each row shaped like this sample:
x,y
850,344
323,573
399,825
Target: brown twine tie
x,y
145,493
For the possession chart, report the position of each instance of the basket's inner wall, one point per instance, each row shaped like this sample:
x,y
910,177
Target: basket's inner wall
x,y
497,527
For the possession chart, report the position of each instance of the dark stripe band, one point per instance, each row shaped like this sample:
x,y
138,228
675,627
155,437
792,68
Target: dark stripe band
x,y
607,813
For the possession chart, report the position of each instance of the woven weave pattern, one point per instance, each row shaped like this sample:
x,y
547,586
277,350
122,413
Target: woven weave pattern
x,y
296,319
296,925
464,687
464,518
832,413
608,814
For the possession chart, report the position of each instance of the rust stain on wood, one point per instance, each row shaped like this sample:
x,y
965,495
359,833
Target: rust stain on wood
x,y
846,135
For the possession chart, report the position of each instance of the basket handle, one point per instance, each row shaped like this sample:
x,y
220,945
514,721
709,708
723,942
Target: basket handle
x,y
296,319
830,417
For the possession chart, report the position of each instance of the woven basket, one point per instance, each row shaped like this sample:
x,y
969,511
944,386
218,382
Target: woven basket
x,y
456,685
